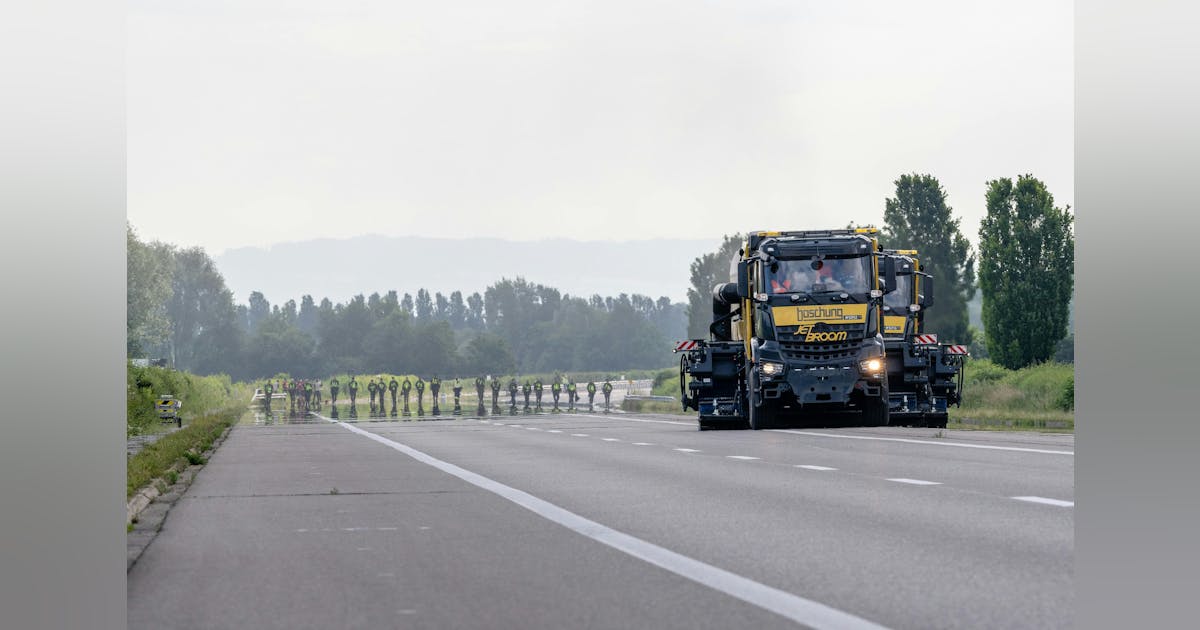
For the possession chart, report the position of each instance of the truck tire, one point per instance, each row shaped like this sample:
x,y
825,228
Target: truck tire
x,y
761,415
875,411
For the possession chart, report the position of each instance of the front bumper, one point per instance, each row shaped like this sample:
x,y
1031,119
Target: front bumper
x,y
820,385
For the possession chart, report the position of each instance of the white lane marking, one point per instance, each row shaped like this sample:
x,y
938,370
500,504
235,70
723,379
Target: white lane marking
x,y
643,444
811,467
610,439
387,529
1045,501
553,431
747,457
579,435
516,425
499,424
486,421
939,443
623,419
916,482
687,450
803,611
532,429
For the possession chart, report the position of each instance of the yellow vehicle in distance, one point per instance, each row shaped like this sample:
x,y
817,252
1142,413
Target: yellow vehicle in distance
x,y
168,407
925,375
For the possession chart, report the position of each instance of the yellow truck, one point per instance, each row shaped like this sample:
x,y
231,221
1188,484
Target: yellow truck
x,y
168,407
795,335
925,375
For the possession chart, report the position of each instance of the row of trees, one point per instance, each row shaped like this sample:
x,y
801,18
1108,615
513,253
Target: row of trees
x,y
1026,265
179,308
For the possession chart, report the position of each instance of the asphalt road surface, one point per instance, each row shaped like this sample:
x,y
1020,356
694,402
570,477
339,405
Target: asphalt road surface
x,y
617,521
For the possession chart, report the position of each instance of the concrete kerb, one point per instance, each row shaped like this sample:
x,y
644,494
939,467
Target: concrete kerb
x,y
148,507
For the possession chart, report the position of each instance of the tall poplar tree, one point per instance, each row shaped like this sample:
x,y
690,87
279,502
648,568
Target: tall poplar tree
x,y
918,218
1026,272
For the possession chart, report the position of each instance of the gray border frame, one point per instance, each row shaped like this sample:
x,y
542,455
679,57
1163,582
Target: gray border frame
x,y
62,249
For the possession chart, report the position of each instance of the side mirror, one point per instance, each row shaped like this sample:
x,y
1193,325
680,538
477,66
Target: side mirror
x,y
889,274
743,280
926,297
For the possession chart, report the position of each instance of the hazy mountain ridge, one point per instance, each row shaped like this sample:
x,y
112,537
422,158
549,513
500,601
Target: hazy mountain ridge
x,y
341,268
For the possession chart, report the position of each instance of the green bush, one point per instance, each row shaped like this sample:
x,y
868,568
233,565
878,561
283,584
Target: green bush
x,y
1037,388
668,386
1066,399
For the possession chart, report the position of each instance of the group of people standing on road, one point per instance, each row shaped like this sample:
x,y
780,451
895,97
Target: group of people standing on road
x,y
303,395
306,395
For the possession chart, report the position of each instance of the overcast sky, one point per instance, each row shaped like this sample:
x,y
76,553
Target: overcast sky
x,y
253,122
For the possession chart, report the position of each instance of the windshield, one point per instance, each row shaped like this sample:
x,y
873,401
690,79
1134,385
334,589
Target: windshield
x,y
902,296
814,276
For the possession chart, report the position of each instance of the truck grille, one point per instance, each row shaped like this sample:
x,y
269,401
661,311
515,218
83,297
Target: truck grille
x,y
795,349
820,352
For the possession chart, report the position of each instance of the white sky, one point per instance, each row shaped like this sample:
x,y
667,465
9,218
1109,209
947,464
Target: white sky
x,y
254,122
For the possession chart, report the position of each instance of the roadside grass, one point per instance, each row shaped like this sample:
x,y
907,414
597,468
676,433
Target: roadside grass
x,y
200,395
186,444
1039,397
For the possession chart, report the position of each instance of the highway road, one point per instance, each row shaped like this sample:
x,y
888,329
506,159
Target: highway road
x,y
615,521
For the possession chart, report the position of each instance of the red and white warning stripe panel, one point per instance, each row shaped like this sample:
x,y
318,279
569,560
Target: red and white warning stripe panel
x,y
926,340
690,344
956,350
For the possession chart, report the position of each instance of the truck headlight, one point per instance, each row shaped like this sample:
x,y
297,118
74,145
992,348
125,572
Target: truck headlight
x,y
871,365
771,369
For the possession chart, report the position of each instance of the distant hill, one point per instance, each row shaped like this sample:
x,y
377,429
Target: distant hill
x,y
341,268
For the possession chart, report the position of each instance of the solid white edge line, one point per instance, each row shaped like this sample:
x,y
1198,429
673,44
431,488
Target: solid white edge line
x,y
1045,501
794,607
913,441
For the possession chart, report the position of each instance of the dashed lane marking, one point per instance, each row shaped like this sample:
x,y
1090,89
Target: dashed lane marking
x,y
643,444
745,457
812,467
1045,501
934,443
579,435
610,439
625,419
687,450
916,482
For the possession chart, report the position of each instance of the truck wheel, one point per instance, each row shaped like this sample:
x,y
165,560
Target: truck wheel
x,y
761,415
875,411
